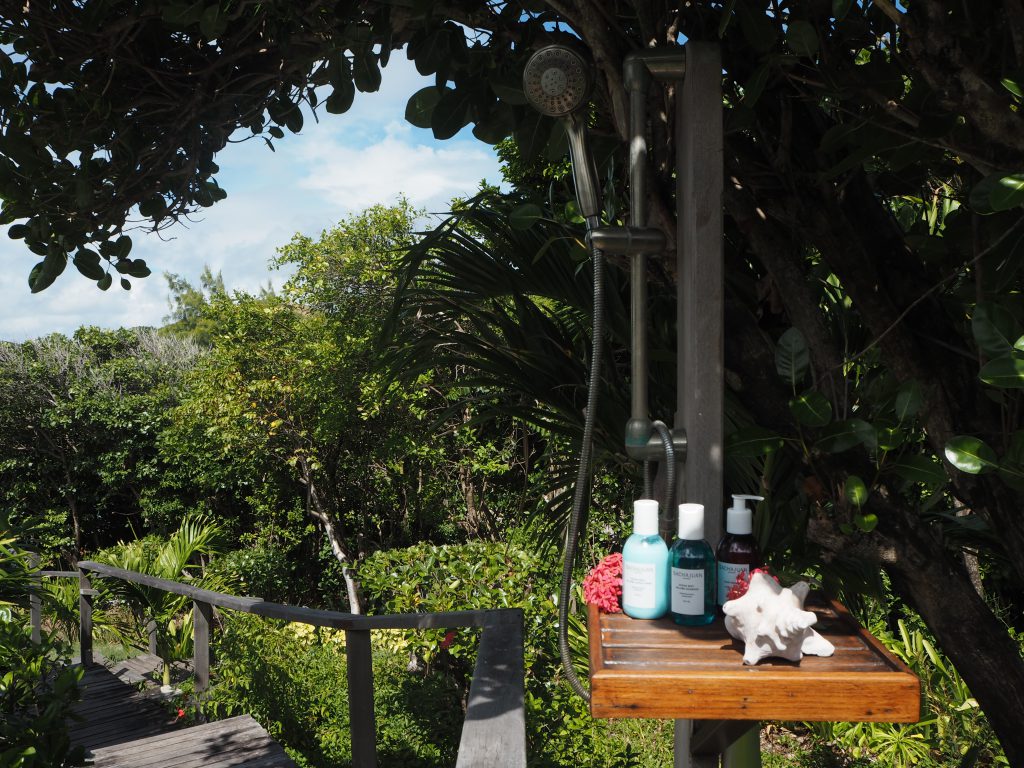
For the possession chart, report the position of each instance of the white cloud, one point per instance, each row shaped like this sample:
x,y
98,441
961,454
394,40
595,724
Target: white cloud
x,y
353,178
335,167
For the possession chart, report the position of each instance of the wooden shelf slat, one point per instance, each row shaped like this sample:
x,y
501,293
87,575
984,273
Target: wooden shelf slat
x,y
659,670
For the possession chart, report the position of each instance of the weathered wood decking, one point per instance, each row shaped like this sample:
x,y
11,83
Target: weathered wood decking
x,y
122,725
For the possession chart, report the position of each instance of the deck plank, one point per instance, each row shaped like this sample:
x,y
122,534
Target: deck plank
x,y
121,725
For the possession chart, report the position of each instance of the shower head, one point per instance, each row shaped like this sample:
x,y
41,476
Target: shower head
x,y
556,80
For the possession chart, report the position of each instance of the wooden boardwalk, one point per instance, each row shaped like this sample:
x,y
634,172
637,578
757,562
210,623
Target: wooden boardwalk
x,y
122,725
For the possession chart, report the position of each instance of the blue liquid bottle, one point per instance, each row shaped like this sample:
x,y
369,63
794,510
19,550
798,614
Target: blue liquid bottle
x,y
692,562
645,565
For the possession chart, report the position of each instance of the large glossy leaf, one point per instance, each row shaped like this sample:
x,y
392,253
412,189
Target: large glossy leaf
x,y
1008,192
970,455
909,400
1006,372
752,441
791,357
812,409
994,328
802,39
420,107
919,468
451,113
844,435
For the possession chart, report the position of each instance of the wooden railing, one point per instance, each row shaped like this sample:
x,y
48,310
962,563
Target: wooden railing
x,y
494,730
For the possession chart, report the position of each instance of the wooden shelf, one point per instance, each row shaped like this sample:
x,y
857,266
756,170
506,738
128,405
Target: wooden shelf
x,y
660,670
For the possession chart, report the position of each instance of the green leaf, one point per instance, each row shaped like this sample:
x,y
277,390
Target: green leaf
x,y
497,125
791,357
754,87
1013,87
844,435
1006,372
18,232
752,441
812,409
532,134
855,490
420,107
1008,192
970,455
46,271
104,282
723,23
909,400
758,30
997,192
340,100
919,468
994,328
890,438
802,39
451,113
213,23
866,523
840,8
525,216
87,262
153,207
432,52
366,71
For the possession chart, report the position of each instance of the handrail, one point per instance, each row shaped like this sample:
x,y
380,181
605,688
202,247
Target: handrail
x,y
314,616
493,733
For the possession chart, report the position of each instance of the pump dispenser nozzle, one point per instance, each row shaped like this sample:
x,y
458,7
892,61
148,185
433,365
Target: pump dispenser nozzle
x,y
739,519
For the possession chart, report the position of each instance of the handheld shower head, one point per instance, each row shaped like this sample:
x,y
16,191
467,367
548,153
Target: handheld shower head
x,y
557,81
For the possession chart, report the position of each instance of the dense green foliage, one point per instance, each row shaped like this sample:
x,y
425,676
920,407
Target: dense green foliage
x,y
36,691
293,680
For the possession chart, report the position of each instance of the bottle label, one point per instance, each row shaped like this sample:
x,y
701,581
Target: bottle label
x,y
638,587
688,591
727,575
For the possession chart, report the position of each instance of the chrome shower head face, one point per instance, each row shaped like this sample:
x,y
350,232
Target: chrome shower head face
x,y
556,81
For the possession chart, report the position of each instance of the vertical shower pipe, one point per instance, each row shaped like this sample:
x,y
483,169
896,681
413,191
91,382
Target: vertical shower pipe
x,y
700,324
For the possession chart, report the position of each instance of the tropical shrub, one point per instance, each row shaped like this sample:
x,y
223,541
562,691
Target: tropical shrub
x,y
292,678
36,690
176,559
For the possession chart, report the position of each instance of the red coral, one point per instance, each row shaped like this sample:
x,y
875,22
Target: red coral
x,y
742,583
603,585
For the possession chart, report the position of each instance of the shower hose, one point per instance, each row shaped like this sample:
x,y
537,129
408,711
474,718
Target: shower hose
x,y
581,491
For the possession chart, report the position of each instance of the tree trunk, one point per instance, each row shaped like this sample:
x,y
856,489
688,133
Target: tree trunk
x,y
315,509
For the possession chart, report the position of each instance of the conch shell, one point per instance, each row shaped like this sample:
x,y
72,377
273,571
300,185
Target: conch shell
x,y
771,621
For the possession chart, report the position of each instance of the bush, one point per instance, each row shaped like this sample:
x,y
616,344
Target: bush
x,y
292,679
36,691
560,730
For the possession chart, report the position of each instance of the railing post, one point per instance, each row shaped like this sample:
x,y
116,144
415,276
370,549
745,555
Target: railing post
x,y
85,596
362,719
35,604
202,617
151,634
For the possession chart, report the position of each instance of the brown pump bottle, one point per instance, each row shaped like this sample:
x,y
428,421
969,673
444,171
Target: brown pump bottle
x,y
737,551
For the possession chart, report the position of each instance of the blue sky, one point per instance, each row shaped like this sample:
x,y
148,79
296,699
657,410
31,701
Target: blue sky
x,y
333,168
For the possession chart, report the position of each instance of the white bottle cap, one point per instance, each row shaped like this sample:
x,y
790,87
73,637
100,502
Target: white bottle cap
x,y
691,522
645,517
738,519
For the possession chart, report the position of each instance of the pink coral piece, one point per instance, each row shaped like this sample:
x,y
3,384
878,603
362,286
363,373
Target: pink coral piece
x,y
603,585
